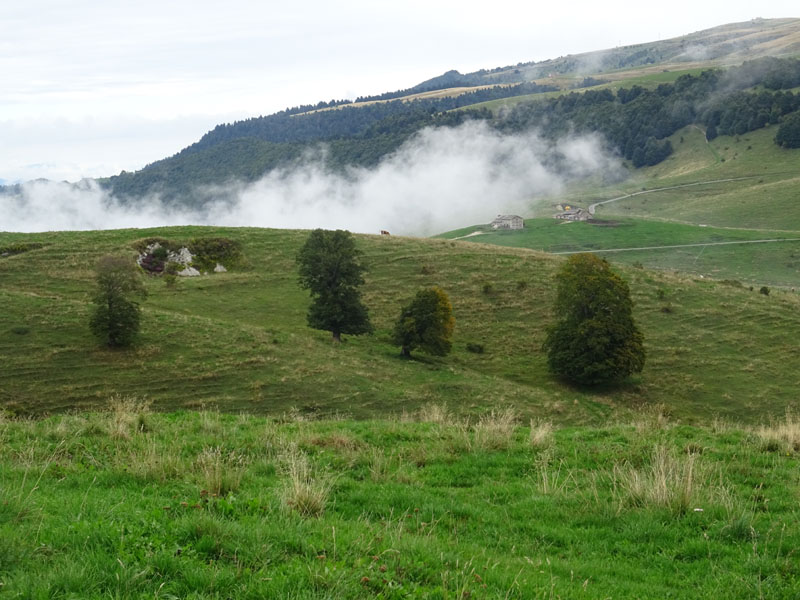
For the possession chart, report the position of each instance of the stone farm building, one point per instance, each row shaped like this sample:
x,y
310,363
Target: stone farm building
x,y
573,214
507,222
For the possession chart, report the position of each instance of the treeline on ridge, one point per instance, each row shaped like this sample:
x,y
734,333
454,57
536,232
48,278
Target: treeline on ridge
x,y
635,122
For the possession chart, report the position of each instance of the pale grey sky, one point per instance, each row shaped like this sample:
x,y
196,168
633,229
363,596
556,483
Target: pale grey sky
x,y
91,87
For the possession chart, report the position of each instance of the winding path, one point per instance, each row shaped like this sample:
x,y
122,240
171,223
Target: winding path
x,y
681,246
672,187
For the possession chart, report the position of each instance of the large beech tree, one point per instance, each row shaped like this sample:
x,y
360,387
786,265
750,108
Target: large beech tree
x,y
330,270
594,339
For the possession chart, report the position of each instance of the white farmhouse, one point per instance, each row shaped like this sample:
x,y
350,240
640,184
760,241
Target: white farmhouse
x,y
507,222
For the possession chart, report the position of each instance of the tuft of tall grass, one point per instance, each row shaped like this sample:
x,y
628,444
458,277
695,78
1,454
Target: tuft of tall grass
x,y
541,434
220,473
652,418
305,489
435,413
127,415
669,482
151,463
495,430
781,436
552,480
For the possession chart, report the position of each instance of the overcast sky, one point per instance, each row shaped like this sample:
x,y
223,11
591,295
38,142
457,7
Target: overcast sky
x,y
91,87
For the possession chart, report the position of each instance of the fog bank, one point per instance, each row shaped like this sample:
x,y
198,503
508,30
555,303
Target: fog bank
x,y
439,180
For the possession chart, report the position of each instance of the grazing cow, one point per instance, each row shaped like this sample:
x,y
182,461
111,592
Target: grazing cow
x,y
384,232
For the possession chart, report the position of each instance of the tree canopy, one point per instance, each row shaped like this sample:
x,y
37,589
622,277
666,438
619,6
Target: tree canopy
x,y
329,268
594,339
788,134
426,323
116,316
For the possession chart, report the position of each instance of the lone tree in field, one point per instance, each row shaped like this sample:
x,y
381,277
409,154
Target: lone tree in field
x,y
594,339
115,319
330,270
426,323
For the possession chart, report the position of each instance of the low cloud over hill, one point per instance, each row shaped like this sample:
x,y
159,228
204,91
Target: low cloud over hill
x,y
440,179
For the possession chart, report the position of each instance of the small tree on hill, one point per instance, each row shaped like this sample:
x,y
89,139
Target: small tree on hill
x,y
594,339
115,319
426,323
330,270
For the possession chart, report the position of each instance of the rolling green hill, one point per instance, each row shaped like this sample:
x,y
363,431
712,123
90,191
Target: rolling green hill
x,y
238,341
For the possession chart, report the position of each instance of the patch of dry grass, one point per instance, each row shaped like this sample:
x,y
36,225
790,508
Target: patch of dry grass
x,y
495,430
781,436
676,483
151,463
127,415
221,473
541,434
305,489
435,413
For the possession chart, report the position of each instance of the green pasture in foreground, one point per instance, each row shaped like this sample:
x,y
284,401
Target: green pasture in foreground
x,y
130,504
239,341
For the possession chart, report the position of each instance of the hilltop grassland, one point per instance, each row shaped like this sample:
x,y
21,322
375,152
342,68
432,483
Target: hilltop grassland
x,y
238,341
131,504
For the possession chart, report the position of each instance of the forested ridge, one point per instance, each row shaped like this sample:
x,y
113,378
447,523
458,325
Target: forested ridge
x,y
634,121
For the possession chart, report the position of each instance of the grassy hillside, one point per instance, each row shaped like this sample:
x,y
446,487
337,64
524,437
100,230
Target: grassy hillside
x,y
238,341
755,257
733,189
762,198
130,504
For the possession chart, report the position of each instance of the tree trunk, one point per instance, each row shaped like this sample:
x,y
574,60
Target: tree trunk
x,y
405,352
337,337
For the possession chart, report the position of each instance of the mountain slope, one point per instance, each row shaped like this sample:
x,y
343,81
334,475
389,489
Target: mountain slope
x,y
363,133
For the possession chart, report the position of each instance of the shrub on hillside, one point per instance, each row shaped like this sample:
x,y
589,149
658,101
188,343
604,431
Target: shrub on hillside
x,y
19,248
426,323
208,252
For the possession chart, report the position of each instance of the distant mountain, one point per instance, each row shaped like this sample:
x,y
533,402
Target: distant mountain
x,y
634,117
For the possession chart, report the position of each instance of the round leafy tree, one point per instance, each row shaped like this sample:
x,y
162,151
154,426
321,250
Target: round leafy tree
x,y
330,270
594,339
426,323
115,319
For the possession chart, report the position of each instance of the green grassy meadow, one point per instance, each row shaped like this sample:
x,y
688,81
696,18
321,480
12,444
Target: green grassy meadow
x,y
126,503
238,341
